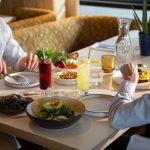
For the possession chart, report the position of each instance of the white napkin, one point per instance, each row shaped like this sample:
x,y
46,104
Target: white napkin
x,y
100,46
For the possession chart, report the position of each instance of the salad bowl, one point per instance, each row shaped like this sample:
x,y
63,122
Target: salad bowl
x,y
33,110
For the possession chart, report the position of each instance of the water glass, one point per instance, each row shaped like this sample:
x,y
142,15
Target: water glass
x,y
45,75
56,92
108,63
83,75
96,77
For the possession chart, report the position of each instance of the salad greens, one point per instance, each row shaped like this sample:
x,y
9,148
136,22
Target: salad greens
x,y
55,109
59,59
59,56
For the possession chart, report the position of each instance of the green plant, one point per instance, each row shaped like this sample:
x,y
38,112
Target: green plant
x,y
144,22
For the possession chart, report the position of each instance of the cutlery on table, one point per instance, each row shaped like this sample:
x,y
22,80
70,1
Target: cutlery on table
x,y
18,79
30,93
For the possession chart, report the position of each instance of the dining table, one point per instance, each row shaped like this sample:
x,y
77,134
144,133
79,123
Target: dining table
x,y
88,133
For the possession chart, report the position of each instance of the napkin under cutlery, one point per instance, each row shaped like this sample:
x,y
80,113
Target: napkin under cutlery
x,y
100,46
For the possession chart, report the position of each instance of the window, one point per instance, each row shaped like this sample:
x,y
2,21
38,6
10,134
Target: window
x,y
115,3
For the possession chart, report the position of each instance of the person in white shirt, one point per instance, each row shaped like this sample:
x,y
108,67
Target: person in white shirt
x,y
126,113
11,52
19,60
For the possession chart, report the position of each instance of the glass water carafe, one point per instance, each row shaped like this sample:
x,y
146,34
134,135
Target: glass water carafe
x,y
123,44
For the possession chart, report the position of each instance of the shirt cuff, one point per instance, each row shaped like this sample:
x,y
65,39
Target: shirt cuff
x,y
128,87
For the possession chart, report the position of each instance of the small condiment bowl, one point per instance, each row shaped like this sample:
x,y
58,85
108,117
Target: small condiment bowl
x,y
61,81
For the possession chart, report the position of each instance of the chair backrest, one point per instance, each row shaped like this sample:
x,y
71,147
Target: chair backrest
x,y
69,34
62,8
26,17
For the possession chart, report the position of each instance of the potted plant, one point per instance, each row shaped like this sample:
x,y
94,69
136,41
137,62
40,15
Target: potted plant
x,y
144,27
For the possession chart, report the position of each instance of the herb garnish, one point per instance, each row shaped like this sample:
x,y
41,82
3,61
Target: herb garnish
x,y
44,54
59,56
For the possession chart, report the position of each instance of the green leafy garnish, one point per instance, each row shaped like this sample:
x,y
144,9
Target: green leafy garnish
x,y
45,54
140,65
59,56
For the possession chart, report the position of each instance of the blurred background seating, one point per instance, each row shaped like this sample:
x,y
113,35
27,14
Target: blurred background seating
x,y
68,34
31,16
62,8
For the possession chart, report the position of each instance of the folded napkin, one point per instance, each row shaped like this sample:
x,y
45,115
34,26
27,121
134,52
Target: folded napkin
x,y
100,46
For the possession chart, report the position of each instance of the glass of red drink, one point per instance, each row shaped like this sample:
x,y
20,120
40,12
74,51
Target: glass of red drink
x,y
45,75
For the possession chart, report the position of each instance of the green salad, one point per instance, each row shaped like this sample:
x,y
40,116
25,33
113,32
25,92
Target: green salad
x,y
55,110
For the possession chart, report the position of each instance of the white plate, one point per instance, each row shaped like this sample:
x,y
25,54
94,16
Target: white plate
x,y
31,77
117,77
97,104
60,81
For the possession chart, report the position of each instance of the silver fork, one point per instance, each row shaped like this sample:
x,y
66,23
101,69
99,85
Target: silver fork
x,y
19,79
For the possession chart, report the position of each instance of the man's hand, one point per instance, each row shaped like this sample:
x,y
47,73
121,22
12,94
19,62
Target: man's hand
x,y
130,72
30,62
3,68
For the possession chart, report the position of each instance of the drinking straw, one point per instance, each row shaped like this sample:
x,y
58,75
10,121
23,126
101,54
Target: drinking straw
x,y
89,53
43,50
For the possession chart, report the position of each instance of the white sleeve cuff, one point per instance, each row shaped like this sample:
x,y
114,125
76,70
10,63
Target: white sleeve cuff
x,y
127,87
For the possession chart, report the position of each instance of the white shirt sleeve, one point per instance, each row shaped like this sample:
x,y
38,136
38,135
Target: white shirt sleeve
x,y
138,142
125,113
10,50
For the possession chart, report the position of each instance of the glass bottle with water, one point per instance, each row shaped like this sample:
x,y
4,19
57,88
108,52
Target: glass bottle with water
x,y
124,51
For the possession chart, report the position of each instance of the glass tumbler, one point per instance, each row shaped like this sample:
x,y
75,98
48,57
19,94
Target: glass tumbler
x,y
108,63
96,76
45,75
83,75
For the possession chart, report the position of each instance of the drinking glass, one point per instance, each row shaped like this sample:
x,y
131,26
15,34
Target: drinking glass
x,y
108,63
45,75
83,75
96,76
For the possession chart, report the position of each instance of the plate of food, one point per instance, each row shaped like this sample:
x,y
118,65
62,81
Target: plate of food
x,y
31,78
65,78
55,112
14,104
65,62
144,78
96,105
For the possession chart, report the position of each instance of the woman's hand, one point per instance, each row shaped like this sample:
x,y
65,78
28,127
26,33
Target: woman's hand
x,y
30,62
130,72
3,68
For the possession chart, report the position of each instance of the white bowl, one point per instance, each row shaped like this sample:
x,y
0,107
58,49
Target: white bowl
x,y
57,69
60,81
